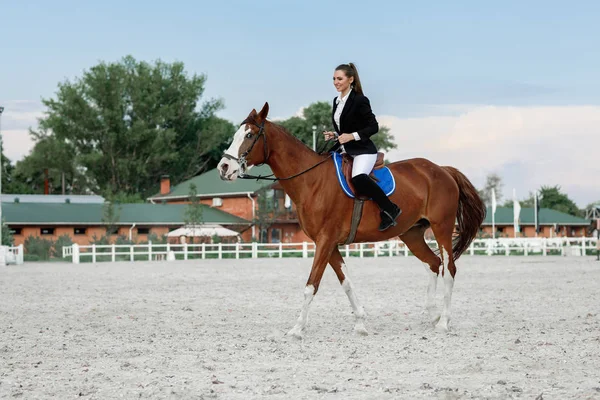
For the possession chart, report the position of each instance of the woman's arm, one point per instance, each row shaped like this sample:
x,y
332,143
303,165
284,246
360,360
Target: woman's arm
x,y
366,114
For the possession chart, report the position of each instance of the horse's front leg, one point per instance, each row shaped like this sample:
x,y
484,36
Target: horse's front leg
x,y
322,254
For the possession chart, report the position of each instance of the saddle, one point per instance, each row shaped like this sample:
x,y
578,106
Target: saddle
x,y
347,163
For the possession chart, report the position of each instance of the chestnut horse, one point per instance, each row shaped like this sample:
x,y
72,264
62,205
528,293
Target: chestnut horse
x,y
429,195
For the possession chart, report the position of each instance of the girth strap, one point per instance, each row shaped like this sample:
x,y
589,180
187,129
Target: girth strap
x,y
356,217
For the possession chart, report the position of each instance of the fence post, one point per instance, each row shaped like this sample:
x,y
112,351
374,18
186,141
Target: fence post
x,y
131,253
304,250
472,248
149,250
185,251
544,246
237,250
75,254
94,253
360,250
375,250
254,249
220,249
525,248
405,250
280,250
203,247
347,250
112,253
583,250
390,251
20,255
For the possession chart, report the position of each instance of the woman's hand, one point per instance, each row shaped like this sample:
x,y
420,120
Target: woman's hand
x,y
328,135
346,137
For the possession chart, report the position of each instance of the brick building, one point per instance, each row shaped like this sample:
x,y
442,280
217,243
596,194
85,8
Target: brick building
x,y
240,198
551,223
84,221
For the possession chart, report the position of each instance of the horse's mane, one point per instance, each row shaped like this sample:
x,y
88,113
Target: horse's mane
x,y
281,129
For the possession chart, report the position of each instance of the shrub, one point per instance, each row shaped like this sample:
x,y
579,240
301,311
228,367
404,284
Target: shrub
x,y
37,246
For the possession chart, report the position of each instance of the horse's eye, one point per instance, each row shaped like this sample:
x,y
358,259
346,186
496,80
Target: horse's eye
x,y
248,135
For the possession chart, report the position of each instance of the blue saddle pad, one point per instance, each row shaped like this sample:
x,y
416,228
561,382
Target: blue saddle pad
x,y
384,176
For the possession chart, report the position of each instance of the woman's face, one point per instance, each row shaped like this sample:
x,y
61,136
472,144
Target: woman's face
x,y
341,81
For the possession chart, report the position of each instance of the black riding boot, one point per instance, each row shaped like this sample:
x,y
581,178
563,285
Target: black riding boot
x,y
389,211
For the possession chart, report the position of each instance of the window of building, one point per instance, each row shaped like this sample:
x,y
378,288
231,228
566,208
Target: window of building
x,y
80,231
143,231
264,236
217,202
275,235
16,231
47,231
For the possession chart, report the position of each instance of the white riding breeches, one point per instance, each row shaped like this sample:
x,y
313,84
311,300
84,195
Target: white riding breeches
x,y
363,164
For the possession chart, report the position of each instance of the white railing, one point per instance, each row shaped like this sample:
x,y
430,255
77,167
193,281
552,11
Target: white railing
x,y
151,252
11,255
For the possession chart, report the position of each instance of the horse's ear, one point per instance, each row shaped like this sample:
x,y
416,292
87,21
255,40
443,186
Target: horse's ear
x,y
262,115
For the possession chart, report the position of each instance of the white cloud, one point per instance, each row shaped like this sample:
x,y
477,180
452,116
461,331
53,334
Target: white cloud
x,y
528,146
17,118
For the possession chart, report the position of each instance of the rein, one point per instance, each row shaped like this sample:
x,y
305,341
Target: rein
x,y
267,153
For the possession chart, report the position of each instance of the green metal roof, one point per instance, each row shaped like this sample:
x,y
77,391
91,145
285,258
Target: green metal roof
x,y
210,184
504,216
91,214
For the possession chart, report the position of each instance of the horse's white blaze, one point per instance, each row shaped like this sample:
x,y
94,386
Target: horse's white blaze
x,y
448,286
357,308
233,167
309,293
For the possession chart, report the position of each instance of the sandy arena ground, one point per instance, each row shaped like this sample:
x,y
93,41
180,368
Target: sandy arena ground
x,y
522,327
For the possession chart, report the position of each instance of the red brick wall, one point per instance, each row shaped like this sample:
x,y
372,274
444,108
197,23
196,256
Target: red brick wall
x,y
529,231
86,239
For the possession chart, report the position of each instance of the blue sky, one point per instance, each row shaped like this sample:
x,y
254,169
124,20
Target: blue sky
x,y
417,61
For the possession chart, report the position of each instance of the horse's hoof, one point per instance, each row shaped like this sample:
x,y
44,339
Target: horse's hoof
x,y
360,329
295,332
442,326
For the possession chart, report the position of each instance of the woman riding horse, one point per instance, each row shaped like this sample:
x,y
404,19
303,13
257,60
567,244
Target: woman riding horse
x,y
352,112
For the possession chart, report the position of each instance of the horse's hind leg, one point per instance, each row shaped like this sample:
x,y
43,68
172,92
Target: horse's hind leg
x,y
337,263
443,235
414,239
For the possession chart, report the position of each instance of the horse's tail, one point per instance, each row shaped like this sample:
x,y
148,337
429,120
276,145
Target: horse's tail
x,y
470,213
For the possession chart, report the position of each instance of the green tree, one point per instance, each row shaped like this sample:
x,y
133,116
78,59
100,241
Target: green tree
x,y
193,211
319,115
124,124
267,212
111,213
552,197
493,181
59,158
7,236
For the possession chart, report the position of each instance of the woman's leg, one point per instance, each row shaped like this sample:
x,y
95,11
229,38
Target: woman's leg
x,y
361,168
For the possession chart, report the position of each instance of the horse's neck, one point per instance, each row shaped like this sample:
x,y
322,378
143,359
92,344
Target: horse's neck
x,y
289,157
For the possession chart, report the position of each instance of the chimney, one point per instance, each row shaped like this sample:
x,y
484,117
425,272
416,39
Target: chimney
x,y
46,185
165,184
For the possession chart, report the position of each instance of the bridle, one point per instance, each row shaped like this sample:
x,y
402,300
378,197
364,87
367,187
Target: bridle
x,y
243,162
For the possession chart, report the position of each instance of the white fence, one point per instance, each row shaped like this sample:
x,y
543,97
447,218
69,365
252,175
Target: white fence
x,y
150,252
11,255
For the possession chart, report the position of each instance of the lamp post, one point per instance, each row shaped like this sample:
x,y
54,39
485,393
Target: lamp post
x,y
314,129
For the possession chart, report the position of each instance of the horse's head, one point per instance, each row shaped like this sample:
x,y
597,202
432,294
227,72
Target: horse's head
x,y
248,148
